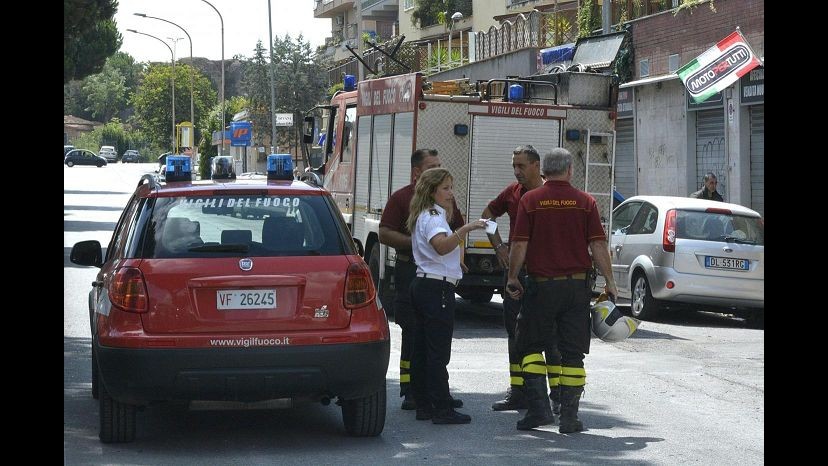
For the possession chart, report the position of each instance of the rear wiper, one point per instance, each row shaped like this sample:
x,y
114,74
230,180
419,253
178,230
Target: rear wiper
x,y
739,240
220,248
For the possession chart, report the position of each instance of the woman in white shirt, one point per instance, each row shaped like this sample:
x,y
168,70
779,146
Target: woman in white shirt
x,y
437,254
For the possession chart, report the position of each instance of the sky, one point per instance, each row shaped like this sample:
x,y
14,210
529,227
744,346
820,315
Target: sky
x,y
245,22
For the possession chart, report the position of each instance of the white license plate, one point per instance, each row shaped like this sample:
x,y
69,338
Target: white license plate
x,y
245,299
726,263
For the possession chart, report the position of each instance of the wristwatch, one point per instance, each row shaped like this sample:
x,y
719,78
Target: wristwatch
x,y
499,246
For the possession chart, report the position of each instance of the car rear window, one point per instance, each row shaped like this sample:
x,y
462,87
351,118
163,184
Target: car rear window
x,y
715,226
243,225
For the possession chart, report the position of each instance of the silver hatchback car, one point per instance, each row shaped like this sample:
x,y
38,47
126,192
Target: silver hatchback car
x,y
683,250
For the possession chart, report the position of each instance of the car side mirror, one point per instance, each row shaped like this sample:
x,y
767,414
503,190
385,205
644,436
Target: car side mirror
x,y
87,253
360,248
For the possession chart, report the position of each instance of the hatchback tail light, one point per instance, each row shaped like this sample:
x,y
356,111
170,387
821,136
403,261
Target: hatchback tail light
x,y
668,238
359,286
128,291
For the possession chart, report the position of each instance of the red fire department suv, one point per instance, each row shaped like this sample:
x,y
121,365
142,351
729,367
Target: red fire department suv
x,y
233,291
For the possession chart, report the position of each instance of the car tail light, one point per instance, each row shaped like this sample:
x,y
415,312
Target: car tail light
x,y
128,291
668,239
359,287
716,210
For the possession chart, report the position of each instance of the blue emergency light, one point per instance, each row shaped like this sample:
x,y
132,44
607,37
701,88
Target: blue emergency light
x,y
178,168
515,93
349,83
279,167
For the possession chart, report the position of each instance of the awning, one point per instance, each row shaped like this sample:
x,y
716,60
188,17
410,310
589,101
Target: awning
x,y
649,80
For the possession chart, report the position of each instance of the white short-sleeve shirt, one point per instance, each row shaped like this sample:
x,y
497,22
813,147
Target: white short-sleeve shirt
x,y
430,223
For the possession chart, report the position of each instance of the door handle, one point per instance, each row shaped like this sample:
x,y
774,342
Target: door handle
x,y
97,283
618,248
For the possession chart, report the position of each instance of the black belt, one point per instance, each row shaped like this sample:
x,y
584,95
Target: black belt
x,y
405,258
571,276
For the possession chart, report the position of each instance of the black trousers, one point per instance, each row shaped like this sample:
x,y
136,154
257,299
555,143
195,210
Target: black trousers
x,y
555,307
404,273
511,310
434,310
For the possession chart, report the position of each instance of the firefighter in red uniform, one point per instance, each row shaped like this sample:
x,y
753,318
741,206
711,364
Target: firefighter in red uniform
x,y
393,232
526,166
557,226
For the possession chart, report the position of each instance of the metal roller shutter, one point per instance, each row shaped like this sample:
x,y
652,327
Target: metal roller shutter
x,y
710,148
757,158
625,174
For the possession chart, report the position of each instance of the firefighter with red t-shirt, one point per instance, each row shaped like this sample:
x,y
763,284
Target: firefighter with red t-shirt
x,y
393,232
526,166
556,229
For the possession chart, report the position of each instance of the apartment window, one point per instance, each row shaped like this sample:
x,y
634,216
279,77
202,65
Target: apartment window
x,y
644,68
673,63
408,4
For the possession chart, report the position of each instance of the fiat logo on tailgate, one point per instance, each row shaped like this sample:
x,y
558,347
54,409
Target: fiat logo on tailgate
x,y
246,263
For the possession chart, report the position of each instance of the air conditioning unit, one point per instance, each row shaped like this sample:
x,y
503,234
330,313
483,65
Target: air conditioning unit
x,y
340,20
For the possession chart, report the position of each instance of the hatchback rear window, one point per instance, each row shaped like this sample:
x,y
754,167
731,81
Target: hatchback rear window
x,y
249,225
715,226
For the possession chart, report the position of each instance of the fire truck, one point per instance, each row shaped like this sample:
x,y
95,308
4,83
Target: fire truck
x,y
359,148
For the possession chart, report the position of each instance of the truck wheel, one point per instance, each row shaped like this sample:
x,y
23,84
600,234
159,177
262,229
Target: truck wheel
x,y
365,417
383,287
756,318
95,383
117,420
70,164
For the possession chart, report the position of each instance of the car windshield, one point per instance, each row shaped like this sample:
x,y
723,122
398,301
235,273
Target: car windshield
x,y
715,226
248,225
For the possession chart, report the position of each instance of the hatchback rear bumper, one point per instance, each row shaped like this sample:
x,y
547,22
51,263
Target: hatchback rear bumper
x,y
708,290
139,376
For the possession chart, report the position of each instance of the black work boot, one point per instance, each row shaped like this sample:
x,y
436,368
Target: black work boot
x,y
570,396
450,416
515,399
555,396
539,412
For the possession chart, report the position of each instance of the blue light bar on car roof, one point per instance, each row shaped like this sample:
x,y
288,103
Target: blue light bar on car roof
x,y
178,168
279,167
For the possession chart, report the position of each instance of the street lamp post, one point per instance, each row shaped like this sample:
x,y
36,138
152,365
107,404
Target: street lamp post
x,y
221,149
172,56
192,78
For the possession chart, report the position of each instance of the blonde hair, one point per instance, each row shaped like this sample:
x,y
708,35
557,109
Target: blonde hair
x,y
423,198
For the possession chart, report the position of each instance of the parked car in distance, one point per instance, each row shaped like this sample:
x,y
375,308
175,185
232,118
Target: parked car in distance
x,y
193,305
66,149
108,152
83,157
130,155
679,250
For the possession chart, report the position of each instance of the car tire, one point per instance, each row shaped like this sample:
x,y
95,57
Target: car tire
x,y
756,319
642,303
117,420
95,383
100,165
70,164
383,286
365,417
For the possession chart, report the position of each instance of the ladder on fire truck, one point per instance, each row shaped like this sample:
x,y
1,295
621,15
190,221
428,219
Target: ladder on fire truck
x,y
597,190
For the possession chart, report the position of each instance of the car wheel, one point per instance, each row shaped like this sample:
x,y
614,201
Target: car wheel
x,y
117,420
756,318
383,286
642,304
100,165
365,417
70,164
95,383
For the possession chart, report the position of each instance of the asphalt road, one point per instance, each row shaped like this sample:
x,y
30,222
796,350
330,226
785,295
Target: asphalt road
x,y
688,389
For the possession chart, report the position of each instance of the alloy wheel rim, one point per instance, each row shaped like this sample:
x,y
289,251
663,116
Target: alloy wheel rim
x,y
638,295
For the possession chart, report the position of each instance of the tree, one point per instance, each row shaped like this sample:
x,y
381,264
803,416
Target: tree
x,y
90,35
256,84
129,69
212,123
152,100
301,81
105,93
430,12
